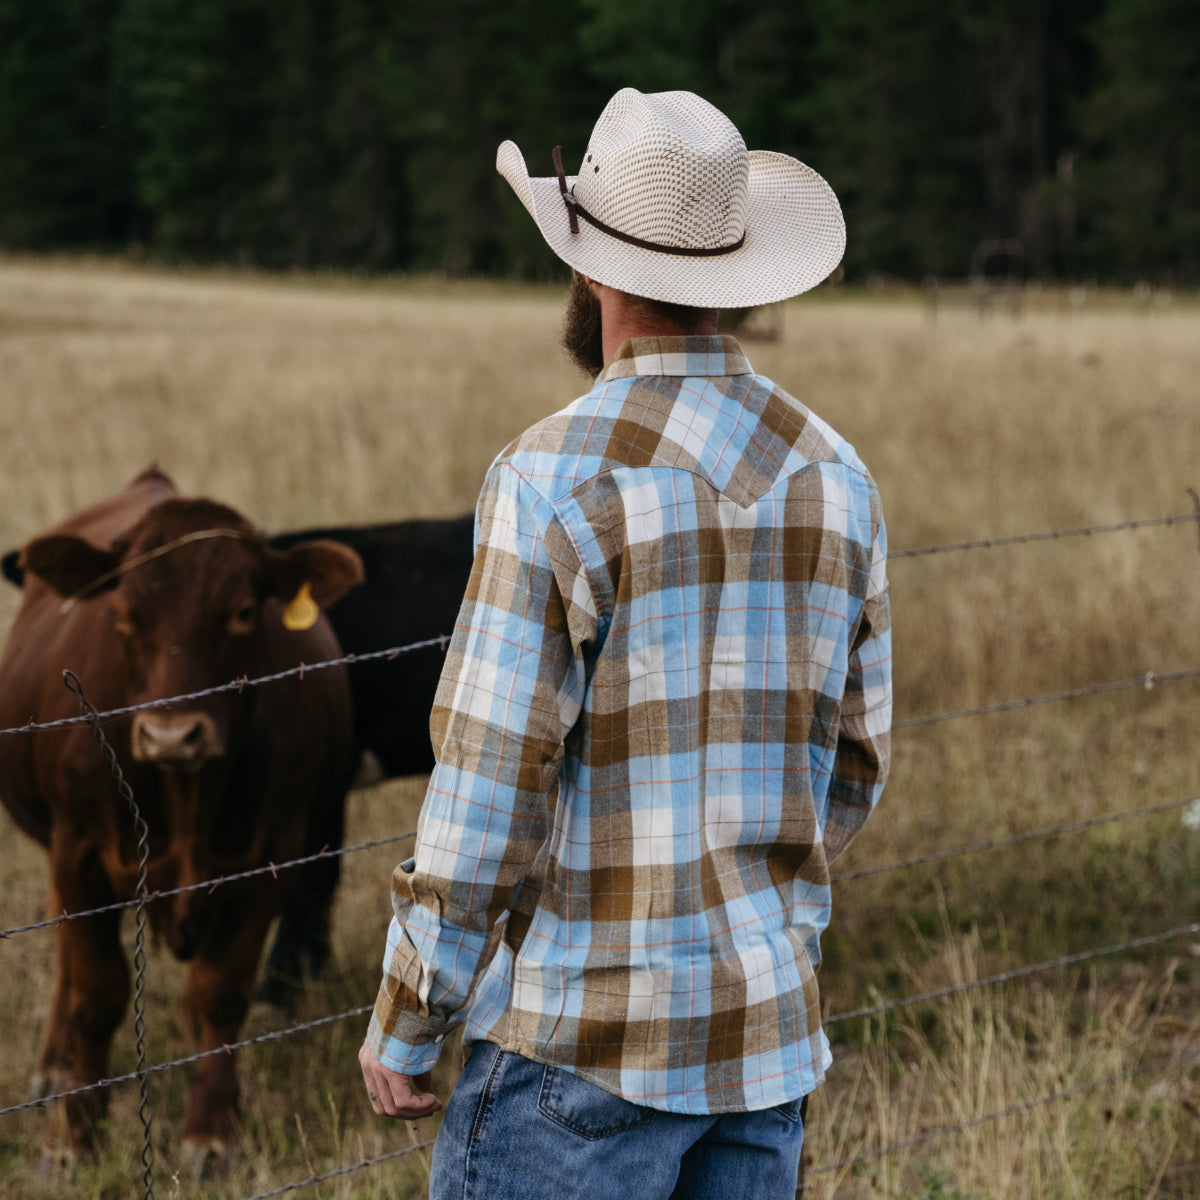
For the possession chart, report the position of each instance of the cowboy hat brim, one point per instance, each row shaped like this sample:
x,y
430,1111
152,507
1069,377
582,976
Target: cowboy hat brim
x,y
795,236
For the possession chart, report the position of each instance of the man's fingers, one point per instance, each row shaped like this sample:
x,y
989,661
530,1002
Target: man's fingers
x,y
394,1095
406,1098
420,1104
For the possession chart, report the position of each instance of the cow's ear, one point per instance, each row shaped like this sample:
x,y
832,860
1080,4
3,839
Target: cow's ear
x,y
328,568
71,566
10,567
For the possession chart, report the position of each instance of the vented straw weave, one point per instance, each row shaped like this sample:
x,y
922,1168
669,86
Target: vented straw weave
x,y
670,169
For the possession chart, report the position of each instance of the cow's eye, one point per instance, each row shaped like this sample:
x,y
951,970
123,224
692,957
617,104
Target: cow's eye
x,y
242,619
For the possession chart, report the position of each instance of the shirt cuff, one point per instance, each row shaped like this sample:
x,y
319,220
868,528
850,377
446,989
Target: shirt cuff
x,y
394,1051
405,1040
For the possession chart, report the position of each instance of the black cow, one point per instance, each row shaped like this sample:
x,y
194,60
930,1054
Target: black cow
x,y
415,574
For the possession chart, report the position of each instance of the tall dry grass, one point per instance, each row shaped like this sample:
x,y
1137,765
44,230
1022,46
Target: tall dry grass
x,y
320,401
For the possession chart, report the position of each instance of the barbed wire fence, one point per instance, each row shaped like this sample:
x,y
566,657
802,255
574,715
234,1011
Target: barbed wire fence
x,y
143,897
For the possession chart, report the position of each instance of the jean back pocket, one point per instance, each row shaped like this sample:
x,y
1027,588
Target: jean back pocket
x,y
586,1109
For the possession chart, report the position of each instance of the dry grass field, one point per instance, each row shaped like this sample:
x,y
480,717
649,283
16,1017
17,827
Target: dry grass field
x,y
307,401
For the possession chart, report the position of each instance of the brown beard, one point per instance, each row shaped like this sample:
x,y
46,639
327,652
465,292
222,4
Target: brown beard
x,y
581,334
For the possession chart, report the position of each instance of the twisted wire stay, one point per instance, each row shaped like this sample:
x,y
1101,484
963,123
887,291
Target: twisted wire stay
x,y
142,831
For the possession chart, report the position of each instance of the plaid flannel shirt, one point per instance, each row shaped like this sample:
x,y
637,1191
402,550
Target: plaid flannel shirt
x,y
665,709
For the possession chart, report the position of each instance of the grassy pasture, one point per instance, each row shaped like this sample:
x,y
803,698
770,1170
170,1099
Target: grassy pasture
x,y
320,401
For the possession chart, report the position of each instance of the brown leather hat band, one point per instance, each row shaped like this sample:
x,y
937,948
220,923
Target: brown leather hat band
x,y
575,210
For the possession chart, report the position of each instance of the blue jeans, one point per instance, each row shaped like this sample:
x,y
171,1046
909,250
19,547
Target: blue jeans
x,y
517,1130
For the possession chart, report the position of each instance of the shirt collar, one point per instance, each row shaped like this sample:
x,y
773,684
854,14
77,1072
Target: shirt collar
x,y
692,355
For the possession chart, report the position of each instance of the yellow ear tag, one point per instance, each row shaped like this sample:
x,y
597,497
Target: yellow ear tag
x,y
302,612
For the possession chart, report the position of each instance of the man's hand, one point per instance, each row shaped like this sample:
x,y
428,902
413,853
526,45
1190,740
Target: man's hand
x,y
395,1095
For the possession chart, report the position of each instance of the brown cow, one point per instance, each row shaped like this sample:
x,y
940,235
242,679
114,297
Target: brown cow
x,y
150,595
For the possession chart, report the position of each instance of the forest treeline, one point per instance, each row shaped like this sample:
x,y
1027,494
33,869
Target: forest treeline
x,y
361,134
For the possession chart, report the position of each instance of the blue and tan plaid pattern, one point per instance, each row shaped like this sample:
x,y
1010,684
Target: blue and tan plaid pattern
x,y
665,709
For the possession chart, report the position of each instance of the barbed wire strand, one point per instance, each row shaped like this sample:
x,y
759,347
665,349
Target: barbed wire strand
x,y
312,1180
873,1010
1021,539
274,1035
1062,960
234,685
142,833
1148,681
1011,1111
209,885
442,640
1149,810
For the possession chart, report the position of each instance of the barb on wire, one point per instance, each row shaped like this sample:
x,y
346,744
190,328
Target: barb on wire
x,y
1149,810
234,685
1148,681
142,832
1064,960
1195,495
208,885
1011,1111
1051,535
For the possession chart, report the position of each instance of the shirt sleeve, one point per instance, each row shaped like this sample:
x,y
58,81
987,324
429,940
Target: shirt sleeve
x,y
864,733
510,691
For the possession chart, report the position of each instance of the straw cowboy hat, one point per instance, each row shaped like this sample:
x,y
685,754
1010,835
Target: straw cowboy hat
x,y
670,205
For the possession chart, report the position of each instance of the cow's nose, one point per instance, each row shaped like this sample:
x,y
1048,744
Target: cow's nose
x,y
175,739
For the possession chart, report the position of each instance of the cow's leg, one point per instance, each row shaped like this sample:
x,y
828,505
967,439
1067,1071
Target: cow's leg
x,y
302,939
53,1064
217,994
91,994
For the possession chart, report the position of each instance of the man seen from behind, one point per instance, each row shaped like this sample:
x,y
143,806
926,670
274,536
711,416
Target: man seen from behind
x,y
664,712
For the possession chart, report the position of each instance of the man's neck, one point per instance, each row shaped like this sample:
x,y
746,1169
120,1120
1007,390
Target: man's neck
x,y
621,320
